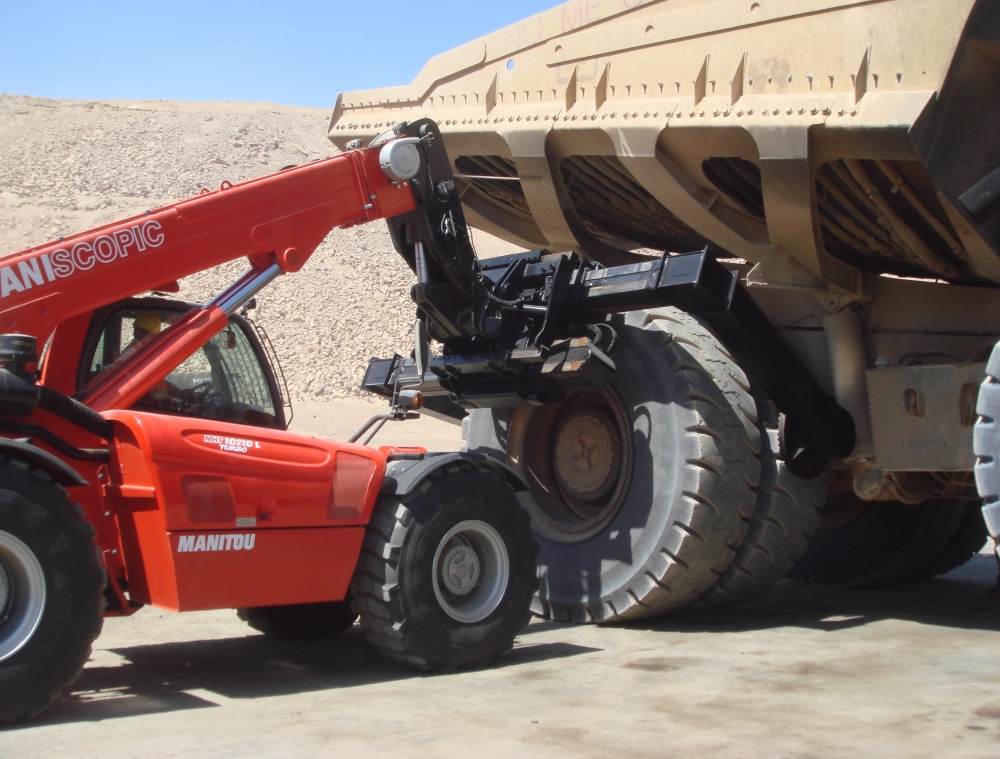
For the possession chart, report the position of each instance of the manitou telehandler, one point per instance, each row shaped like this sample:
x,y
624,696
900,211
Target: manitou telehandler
x,y
165,423
144,457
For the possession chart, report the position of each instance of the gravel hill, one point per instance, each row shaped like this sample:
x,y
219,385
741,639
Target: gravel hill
x,y
68,165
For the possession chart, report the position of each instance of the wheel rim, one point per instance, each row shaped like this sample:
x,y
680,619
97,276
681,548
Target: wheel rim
x,y
587,455
471,571
577,457
22,597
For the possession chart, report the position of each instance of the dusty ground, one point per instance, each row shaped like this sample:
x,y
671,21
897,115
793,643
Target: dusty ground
x,y
340,419
801,673
797,674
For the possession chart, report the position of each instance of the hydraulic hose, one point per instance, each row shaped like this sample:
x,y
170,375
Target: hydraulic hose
x,y
19,396
74,412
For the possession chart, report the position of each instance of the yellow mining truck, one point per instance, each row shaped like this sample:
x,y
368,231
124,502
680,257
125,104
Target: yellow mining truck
x,y
842,156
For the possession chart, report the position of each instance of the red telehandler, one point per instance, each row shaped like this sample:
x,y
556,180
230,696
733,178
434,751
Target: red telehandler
x,y
166,423
144,458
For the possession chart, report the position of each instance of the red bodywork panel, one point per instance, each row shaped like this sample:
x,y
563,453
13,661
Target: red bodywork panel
x,y
216,515
194,514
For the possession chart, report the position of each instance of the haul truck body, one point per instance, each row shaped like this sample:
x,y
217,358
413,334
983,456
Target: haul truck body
x,y
842,155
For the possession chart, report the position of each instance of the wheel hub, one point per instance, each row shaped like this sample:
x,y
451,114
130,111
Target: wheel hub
x,y
471,571
22,594
585,454
577,458
460,570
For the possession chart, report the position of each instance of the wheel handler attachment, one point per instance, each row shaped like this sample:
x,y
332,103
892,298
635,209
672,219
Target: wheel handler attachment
x,y
527,328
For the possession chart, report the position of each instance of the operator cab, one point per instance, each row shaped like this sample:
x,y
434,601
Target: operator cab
x,y
231,378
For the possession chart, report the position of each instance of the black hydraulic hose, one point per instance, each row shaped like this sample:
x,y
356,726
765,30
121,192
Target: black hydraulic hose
x,y
74,412
19,395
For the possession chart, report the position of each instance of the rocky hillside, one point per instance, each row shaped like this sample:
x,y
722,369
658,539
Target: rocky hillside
x,y
66,166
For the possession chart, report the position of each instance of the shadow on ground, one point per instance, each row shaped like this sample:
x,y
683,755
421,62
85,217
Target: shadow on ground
x,y
198,674
172,676
967,598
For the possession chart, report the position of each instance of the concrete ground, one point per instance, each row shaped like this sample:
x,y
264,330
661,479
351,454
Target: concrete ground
x,y
340,419
906,671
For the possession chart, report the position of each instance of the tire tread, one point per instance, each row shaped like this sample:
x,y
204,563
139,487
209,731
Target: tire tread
x,y
376,591
78,539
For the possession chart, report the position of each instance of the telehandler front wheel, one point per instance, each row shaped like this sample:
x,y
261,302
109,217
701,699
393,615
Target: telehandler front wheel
x,y
301,620
51,591
447,572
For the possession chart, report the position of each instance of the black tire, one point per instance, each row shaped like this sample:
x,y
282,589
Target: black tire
x,y
691,430
967,541
861,543
986,446
786,517
301,620
404,605
44,535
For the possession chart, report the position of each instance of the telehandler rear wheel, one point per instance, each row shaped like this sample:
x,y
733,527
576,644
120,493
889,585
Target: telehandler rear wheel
x,y
641,490
51,591
301,620
447,572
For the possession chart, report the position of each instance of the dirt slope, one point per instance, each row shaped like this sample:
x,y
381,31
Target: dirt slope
x,y
68,165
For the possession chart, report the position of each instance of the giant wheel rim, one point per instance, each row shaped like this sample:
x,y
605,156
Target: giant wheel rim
x,y
22,598
471,571
574,506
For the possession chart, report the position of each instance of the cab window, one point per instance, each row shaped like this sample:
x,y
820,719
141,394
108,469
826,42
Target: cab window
x,y
223,380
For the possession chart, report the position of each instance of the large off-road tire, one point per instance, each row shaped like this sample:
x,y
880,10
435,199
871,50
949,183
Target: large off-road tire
x,y
51,591
301,620
968,540
786,516
986,446
447,572
861,543
641,490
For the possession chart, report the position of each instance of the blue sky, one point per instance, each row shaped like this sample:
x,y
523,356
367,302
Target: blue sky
x,y
298,52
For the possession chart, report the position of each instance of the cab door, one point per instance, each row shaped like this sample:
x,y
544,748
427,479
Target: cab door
x,y
211,437
229,379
